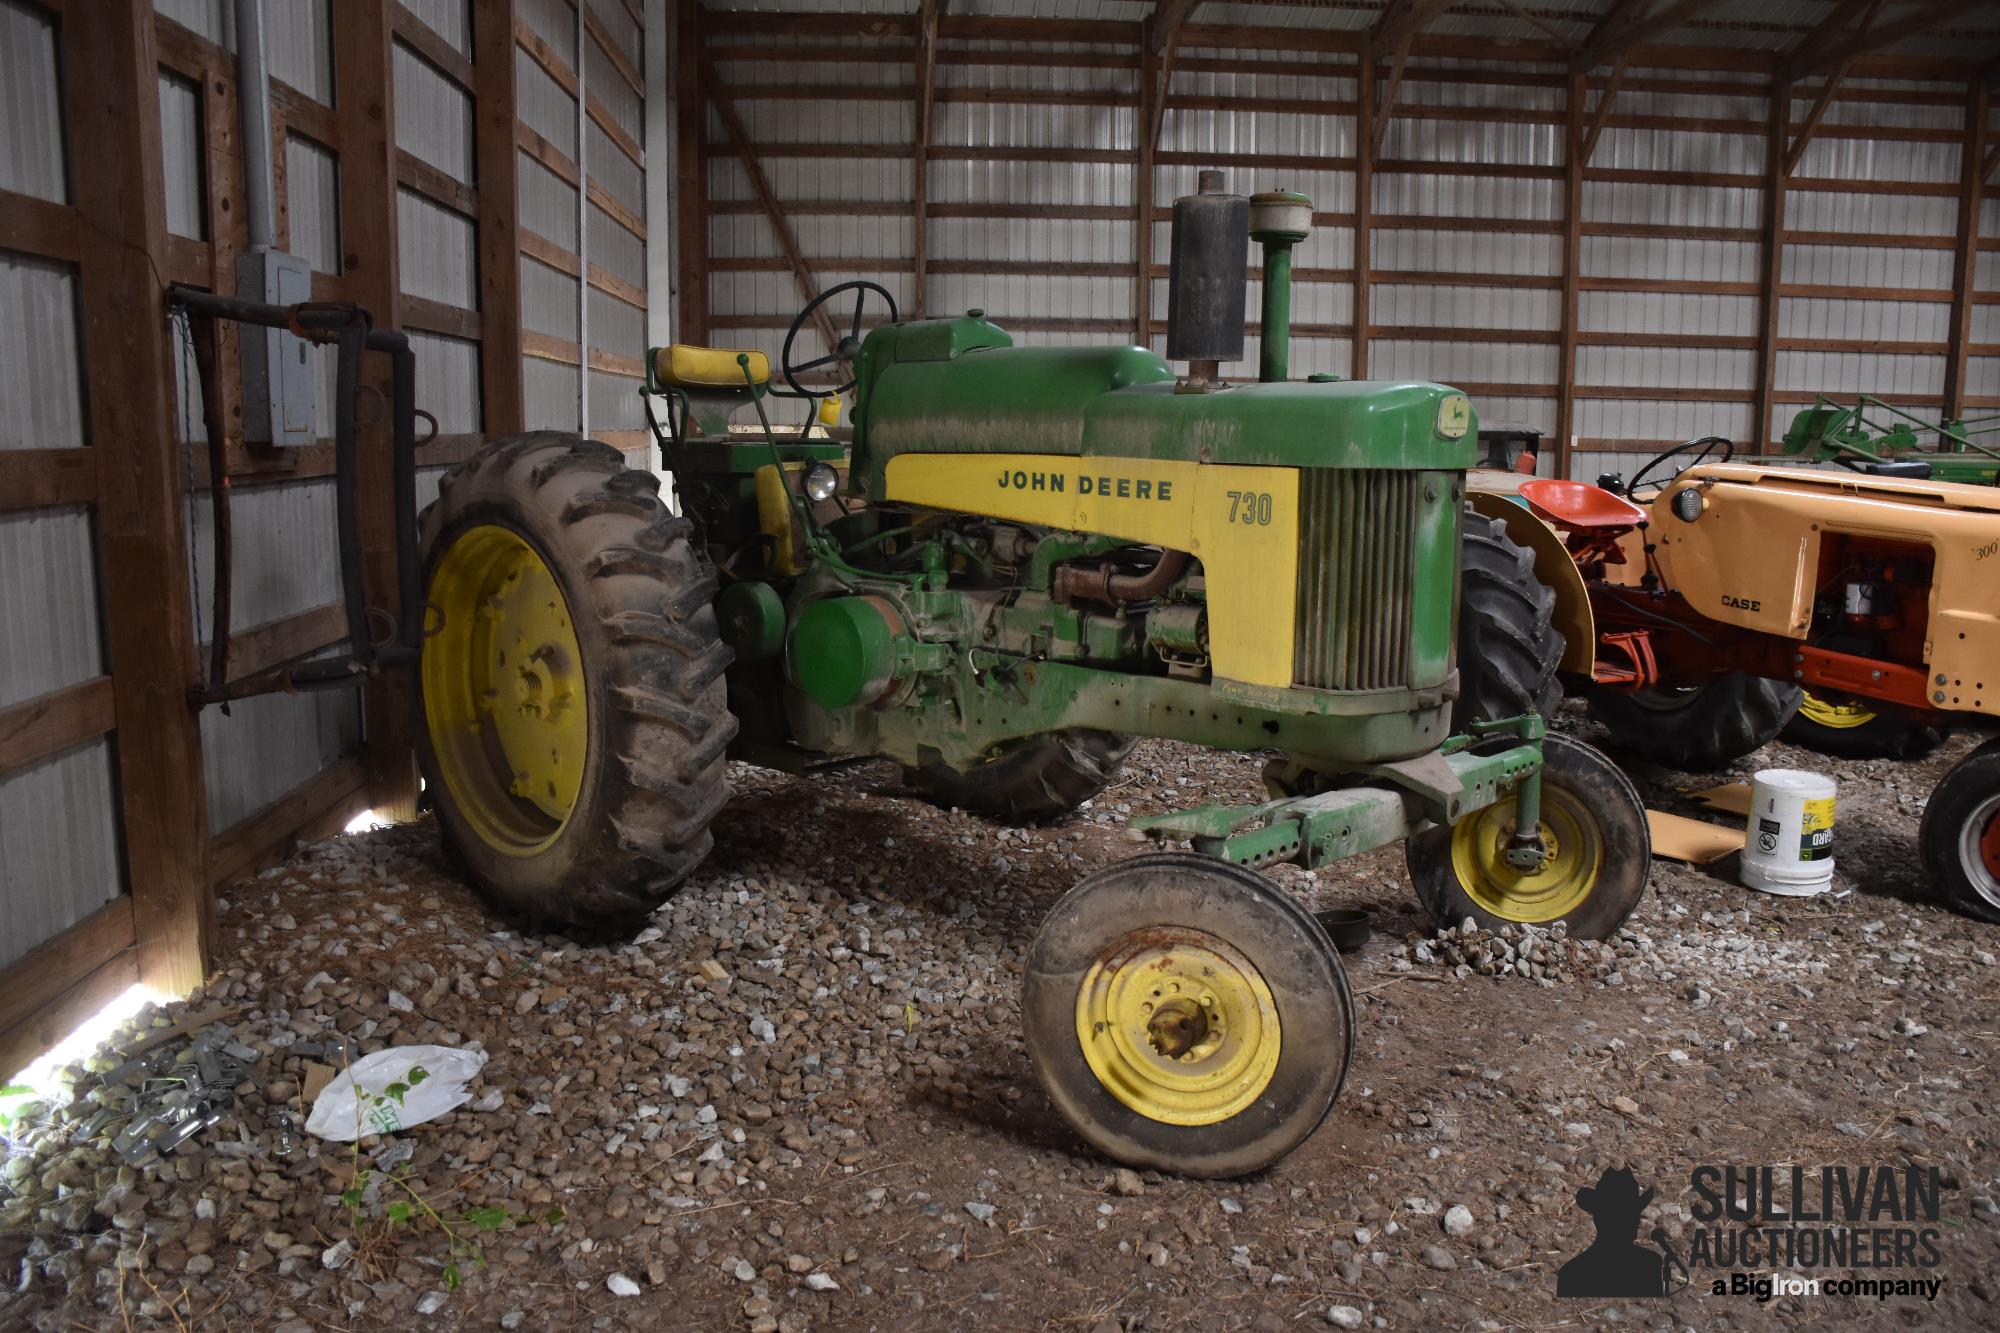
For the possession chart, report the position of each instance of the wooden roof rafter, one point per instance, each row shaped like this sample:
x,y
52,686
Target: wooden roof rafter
x,y
1535,21
1851,17
1161,38
1819,54
1601,114
1395,31
1165,23
1633,23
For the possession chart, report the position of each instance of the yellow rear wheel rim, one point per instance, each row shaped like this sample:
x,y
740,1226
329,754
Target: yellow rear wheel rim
x,y
1839,715
504,690
1573,859
1178,1026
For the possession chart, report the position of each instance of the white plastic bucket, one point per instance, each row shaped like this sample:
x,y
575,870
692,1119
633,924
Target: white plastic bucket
x,y
1788,845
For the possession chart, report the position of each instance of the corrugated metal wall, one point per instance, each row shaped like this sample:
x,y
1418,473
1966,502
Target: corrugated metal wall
x,y
180,129
752,292
614,223
1622,317
583,206
1907,186
59,846
41,380
1432,315
437,245
551,212
59,843
1982,369
1466,260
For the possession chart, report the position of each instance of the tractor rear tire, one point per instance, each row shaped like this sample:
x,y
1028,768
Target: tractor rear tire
x,y
1508,645
1960,836
1037,780
1850,729
1701,728
547,547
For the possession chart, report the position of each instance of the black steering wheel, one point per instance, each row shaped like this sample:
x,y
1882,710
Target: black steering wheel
x,y
844,351
1703,449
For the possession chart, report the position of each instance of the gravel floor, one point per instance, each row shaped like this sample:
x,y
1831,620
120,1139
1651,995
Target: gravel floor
x,y
800,1099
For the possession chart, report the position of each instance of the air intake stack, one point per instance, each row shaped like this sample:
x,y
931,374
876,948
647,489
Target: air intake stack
x,y
1279,220
1208,281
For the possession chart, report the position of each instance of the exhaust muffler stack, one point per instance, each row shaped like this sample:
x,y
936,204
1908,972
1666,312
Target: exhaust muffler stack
x,y
1208,281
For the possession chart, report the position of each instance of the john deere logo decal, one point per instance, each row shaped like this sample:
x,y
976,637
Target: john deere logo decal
x,y
1454,416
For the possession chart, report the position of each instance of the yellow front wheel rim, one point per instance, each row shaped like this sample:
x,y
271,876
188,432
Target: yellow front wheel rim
x,y
504,690
1840,716
1572,862
1178,1026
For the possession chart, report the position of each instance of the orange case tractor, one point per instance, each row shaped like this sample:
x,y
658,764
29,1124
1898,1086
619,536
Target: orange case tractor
x,y
1694,615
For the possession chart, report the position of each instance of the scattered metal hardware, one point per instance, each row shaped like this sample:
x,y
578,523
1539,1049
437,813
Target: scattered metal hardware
x,y
177,1134
106,1117
139,1068
165,1097
171,1091
179,1093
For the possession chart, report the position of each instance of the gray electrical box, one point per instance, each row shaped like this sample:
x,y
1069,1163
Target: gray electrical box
x,y
277,369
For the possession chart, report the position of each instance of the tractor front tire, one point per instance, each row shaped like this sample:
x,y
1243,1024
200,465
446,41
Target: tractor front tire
x,y
1031,782
574,711
1508,645
1960,835
1850,729
1187,1015
1700,728
1599,853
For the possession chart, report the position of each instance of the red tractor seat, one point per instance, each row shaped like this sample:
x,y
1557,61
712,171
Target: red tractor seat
x,y
1578,504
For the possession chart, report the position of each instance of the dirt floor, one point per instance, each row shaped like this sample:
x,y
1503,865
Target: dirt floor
x,y
801,1100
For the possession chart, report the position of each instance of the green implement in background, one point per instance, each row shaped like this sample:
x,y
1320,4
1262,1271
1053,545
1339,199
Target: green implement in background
x,y
1828,432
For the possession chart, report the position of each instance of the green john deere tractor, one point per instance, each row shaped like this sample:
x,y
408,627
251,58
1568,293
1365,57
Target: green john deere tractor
x,y
1028,557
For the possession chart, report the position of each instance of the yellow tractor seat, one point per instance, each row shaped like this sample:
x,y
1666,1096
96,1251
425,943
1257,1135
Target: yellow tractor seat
x,y
688,367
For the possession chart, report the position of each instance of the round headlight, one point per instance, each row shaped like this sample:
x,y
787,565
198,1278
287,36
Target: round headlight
x,y
821,481
1688,504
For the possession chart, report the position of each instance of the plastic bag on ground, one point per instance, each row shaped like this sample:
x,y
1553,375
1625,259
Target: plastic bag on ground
x,y
392,1090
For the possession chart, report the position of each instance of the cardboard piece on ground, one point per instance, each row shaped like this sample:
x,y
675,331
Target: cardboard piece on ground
x,y
1681,839
317,1077
1731,798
